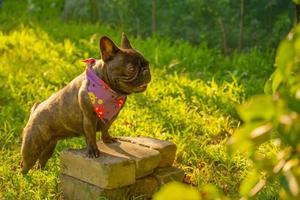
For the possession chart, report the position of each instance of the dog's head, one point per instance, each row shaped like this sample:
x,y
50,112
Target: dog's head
x,y
127,70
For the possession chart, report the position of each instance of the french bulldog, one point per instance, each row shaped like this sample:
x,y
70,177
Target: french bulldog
x,y
77,109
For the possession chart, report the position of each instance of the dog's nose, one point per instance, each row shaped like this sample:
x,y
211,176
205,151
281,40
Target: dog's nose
x,y
147,75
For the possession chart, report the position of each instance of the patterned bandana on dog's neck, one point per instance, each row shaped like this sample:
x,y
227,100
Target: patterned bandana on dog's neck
x,y
106,102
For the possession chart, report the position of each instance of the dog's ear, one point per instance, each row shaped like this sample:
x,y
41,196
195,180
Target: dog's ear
x,y
125,44
108,48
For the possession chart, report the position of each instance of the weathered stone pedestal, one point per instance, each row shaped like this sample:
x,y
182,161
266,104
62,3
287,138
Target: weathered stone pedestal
x,y
129,168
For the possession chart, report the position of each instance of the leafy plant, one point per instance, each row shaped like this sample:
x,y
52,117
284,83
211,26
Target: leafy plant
x,y
275,118
177,191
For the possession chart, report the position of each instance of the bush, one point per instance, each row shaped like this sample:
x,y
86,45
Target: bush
x,y
274,118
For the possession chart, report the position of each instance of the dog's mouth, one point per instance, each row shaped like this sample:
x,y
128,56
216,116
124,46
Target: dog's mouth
x,y
134,84
129,88
142,87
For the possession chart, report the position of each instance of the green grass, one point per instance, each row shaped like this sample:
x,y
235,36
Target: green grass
x,y
191,99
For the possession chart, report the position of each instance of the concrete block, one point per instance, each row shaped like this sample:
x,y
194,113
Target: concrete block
x,y
167,149
106,171
75,189
146,160
144,188
168,174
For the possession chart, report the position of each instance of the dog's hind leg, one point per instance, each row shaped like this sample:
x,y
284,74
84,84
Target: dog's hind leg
x,y
28,160
47,153
32,146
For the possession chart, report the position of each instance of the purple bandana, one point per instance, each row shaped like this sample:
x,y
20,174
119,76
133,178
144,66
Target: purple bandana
x,y
106,102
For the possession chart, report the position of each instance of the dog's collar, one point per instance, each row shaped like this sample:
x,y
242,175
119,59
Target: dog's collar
x,y
106,102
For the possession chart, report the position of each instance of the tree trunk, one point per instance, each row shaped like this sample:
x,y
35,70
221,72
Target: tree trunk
x,y
153,17
241,25
223,30
94,11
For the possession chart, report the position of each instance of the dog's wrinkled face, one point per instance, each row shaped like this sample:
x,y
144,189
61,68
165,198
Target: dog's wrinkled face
x,y
127,69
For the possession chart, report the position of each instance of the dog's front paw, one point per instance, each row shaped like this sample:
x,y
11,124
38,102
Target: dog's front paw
x,y
93,152
109,139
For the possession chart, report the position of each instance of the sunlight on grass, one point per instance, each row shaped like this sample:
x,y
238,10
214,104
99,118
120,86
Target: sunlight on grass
x,y
198,115
191,99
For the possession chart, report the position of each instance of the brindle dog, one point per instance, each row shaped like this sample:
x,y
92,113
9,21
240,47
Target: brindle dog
x,y
69,112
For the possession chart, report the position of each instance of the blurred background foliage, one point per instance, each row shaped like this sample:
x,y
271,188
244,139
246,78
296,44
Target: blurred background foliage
x,y
227,24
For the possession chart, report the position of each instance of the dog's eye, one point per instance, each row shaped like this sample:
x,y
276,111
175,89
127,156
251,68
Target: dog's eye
x,y
143,63
131,69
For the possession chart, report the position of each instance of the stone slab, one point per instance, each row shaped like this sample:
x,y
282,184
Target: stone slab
x,y
146,160
167,149
106,171
75,189
144,188
168,174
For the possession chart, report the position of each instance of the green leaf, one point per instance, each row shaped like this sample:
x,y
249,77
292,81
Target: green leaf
x,y
209,191
285,56
268,85
297,45
284,183
177,191
249,137
259,108
248,183
241,140
296,2
260,132
292,183
290,164
277,79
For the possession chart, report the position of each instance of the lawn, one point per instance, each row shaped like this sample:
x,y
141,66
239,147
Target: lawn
x,y
191,99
